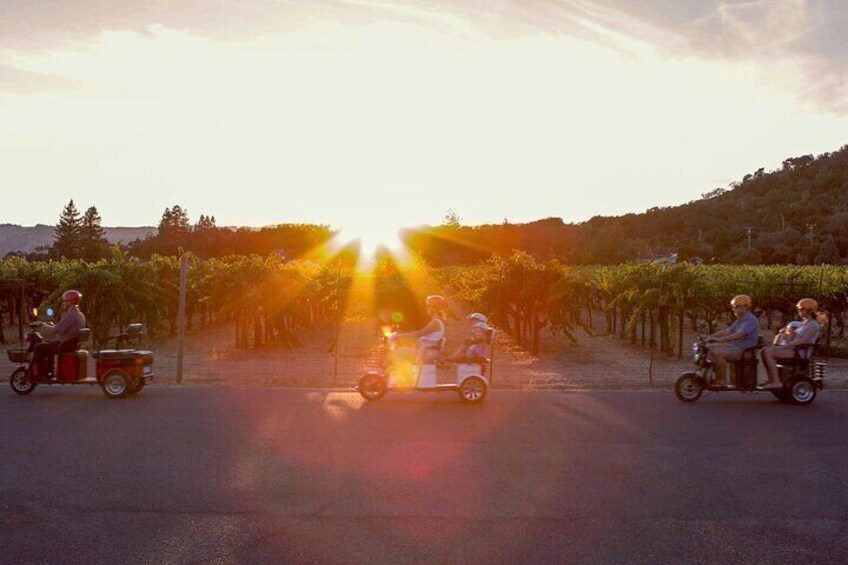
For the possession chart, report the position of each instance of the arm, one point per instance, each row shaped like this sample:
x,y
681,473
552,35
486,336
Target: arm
x,y
729,336
719,334
805,335
431,327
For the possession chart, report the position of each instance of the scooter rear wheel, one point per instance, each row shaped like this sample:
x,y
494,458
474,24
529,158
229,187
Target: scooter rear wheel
x,y
472,390
802,391
115,384
21,381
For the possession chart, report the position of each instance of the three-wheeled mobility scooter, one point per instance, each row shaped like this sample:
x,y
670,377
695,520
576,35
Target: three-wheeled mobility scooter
x,y
119,372
800,376
471,382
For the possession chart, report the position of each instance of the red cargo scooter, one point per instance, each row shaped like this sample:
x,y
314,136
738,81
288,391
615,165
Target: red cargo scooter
x,y
118,371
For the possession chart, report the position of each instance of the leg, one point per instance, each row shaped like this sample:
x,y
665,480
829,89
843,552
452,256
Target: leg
x,y
720,363
42,357
722,354
770,357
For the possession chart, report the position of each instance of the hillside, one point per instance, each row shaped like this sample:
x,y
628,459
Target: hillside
x,y
28,238
797,214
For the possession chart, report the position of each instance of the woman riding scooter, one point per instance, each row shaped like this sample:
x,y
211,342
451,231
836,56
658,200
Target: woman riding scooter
x,y
806,334
429,338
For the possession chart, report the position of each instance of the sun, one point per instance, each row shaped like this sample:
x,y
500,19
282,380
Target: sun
x,y
372,236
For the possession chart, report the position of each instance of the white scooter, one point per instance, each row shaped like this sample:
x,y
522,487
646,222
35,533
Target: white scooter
x,y
471,383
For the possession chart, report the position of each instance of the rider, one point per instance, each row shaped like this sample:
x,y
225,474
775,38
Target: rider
x,y
429,338
474,335
807,334
475,349
742,334
65,333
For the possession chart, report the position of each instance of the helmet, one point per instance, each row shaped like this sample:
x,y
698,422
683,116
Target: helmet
x,y
794,324
807,304
436,301
741,300
72,296
477,317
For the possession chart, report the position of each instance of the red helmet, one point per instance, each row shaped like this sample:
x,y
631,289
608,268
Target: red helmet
x,y
72,296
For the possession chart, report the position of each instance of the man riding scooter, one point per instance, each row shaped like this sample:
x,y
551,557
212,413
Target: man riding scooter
x,y
742,334
65,334
807,333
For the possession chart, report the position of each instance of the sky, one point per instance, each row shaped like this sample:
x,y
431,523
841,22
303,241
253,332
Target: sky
x,y
374,114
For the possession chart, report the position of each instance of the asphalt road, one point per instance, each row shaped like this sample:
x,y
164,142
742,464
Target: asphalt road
x,y
274,475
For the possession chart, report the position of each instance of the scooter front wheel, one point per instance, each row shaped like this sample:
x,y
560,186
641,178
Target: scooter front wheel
x,y
21,381
372,387
688,387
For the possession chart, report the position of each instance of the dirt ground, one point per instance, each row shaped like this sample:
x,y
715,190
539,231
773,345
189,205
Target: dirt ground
x,y
600,362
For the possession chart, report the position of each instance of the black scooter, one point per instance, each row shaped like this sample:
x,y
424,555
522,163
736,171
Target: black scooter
x,y
800,376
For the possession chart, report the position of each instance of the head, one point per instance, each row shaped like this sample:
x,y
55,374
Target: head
x,y
807,308
479,331
436,305
741,305
791,327
71,298
476,318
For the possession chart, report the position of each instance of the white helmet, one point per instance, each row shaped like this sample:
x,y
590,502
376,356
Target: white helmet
x,y
478,317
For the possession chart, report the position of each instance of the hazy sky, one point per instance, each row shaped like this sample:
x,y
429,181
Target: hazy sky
x,y
389,113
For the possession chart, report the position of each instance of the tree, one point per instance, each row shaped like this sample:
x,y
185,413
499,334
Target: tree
x,y
452,219
174,228
93,244
67,232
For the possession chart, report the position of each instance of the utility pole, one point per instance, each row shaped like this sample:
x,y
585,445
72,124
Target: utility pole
x,y
699,235
749,228
810,227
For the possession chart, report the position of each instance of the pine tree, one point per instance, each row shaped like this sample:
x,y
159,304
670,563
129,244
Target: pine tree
x,y
93,243
67,232
174,228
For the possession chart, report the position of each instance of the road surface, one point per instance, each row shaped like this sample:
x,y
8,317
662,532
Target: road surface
x,y
217,474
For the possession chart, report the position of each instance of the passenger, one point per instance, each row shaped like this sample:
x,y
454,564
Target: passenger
x,y
807,334
742,334
476,348
785,335
65,334
472,320
429,338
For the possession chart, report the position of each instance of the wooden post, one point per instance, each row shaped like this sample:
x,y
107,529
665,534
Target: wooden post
x,y
21,315
181,317
338,323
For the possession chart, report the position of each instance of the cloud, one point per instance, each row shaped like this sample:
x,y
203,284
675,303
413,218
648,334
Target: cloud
x,y
799,44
